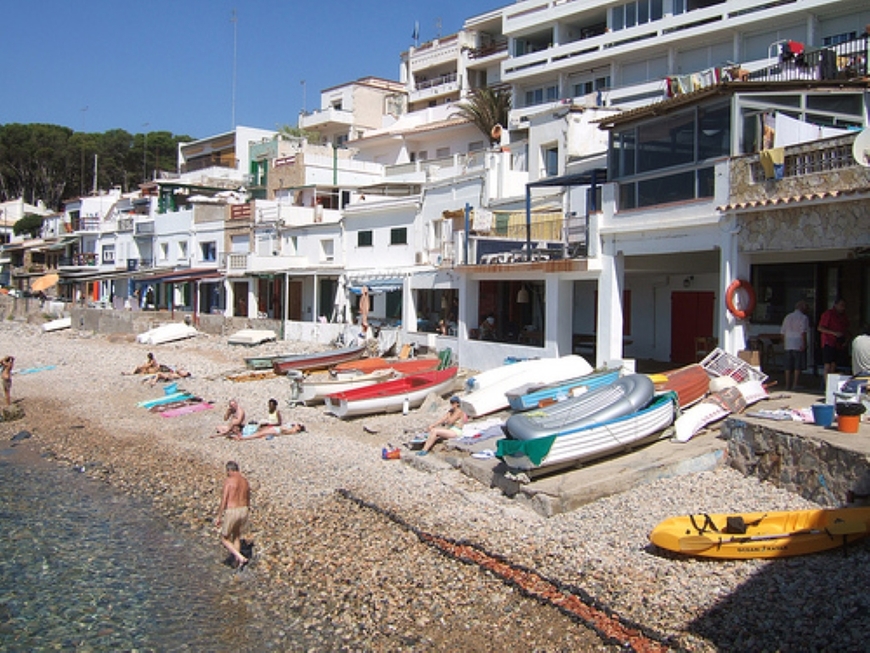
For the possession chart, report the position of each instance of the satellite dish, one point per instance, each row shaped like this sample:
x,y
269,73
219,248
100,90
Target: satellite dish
x,y
496,132
861,149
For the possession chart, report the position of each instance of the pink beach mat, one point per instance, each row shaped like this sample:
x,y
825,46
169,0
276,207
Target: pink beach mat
x,y
184,410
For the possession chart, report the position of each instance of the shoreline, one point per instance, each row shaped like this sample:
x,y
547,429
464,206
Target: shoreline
x,y
321,558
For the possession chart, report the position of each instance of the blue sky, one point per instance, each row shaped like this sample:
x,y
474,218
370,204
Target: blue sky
x,y
167,65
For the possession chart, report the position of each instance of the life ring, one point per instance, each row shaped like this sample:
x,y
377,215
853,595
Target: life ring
x,y
740,313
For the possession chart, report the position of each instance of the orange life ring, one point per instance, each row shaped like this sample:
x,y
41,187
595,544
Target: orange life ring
x,y
740,313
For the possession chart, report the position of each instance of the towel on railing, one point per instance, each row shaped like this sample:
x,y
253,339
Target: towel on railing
x,y
773,162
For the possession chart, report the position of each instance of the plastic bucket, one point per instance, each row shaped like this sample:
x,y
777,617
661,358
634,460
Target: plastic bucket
x,y
823,414
170,389
848,423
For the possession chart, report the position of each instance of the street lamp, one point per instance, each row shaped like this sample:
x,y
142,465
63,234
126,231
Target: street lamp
x,y
145,154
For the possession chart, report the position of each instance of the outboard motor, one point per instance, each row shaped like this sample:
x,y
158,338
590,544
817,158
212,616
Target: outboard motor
x,y
295,377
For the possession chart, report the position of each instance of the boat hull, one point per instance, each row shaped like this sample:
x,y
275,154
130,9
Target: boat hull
x,y
166,333
591,442
767,535
543,396
251,337
367,365
691,383
316,361
57,325
390,396
489,390
315,390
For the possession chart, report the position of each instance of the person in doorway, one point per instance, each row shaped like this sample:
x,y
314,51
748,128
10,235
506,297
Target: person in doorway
x,y
834,327
487,328
449,426
861,352
6,365
795,330
233,511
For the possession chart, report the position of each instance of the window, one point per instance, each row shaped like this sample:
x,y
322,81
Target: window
x,y
543,94
108,254
399,236
208,251
327,250
551,161
475,146
182,250
839,38
364,238
442,152
640,12
164,251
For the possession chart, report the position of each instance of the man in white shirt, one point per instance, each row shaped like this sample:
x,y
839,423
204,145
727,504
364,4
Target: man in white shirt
x,y
861,352
795,328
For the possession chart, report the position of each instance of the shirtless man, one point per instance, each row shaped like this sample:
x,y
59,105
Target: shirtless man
x,y
233,512
6,377
236,415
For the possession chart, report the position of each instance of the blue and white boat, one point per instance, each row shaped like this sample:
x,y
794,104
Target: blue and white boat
x,y
534,395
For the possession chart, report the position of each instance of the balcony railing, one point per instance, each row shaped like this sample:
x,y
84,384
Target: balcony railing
x,y
125,224
842,61
144,228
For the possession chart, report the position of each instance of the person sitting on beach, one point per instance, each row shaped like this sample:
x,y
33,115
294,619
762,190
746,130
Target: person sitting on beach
x,y
235,418
151,366
449,426
271,426
169,375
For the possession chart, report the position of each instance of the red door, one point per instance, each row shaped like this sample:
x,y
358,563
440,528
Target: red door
x,y
691,316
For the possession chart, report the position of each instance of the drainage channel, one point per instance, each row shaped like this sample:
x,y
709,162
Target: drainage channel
x,y
571,601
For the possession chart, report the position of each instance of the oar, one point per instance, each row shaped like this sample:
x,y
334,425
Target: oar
x,y
701,542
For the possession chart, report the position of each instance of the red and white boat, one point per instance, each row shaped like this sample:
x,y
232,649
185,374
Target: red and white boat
x,y
367,365
390,396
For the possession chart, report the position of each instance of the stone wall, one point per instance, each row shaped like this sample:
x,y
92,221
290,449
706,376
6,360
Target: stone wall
x,y
817,470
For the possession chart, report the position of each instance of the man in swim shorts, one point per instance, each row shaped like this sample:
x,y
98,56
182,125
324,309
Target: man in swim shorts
x,y
233,511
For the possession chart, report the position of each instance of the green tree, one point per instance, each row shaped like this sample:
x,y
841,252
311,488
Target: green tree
x,y
29,224
486,108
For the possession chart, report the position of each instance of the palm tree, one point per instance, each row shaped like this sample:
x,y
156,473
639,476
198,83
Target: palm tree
x,y
486,108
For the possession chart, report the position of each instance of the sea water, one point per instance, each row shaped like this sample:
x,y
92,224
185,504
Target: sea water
x,y
84,567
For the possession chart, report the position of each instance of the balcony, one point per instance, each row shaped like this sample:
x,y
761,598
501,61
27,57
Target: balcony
x,y
242,263
89,224
430,88
144,228
839,62
125,225
323,117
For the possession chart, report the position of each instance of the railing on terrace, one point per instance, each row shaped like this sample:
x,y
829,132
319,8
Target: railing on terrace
x,y
844,61
144,228
438,81
237,261
79,260
488,50
800,160
465,162
86,224
125,224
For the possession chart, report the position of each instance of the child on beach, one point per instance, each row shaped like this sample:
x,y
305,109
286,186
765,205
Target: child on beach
x,y
6,377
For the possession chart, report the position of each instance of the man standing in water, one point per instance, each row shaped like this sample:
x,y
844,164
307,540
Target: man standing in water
x,y
233,511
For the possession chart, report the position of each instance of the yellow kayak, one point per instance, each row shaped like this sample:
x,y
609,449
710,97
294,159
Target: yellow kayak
x,y
762,534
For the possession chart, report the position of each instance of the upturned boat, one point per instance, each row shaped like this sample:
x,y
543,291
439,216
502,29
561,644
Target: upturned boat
x,y
367,365
762,534
535,396
391,396
316,361
166,333
315,389
691,383
568,448
489,390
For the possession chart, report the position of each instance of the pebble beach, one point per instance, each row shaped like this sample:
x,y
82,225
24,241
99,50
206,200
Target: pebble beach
x,y
359,553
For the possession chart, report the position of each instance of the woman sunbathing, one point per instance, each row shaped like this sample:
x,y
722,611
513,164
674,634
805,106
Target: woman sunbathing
x,y
271,426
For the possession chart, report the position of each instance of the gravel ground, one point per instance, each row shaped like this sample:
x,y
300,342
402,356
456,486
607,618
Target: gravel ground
x,y
366,554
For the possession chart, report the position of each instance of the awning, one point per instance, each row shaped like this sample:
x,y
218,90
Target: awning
x,y
182,276
376,286
434,280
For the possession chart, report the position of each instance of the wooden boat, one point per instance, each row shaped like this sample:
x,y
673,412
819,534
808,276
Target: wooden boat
x,y
57,325
263,362
390,396
367,365
622,397
691,383
317,361
315,389
167,333
591,442
535,396
251,337
489,389
762,534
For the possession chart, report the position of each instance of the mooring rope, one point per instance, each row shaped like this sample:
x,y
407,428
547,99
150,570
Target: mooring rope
x,y
571,601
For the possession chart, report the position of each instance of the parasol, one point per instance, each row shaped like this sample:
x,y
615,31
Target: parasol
x,y
44,282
